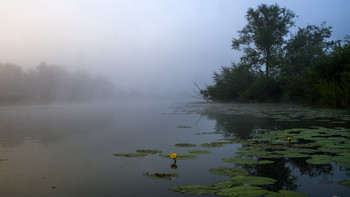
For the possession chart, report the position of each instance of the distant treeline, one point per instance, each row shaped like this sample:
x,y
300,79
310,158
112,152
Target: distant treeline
x,y
304,67
50,84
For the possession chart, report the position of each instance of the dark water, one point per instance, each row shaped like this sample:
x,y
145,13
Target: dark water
x,y
68,150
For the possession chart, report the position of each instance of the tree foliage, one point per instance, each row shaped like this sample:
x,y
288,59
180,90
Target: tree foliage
x,y
306,68
263,36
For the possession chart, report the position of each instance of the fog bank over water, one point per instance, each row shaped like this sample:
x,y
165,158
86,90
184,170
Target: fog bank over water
x,y
146,48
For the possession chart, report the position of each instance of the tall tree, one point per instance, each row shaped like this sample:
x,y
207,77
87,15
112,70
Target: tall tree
x,y
262,38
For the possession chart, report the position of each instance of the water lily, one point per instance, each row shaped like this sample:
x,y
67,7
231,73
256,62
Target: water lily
x,y
289,138
173,156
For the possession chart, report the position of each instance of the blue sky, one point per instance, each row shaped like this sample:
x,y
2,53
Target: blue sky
x,y
152,46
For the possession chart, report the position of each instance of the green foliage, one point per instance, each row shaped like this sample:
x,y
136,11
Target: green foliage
x,y
161,175
307,68
194,189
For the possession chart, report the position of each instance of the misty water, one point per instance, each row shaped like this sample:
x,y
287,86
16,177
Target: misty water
x,y
67,150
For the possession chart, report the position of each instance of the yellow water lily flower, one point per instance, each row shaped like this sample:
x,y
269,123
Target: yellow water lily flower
x,y
289,138
173,155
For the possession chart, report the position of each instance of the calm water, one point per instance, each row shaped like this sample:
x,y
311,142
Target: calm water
x,y
68,150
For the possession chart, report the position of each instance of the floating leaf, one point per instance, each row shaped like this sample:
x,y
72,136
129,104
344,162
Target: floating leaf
x,y
130,154
225,171
254,180
195,189
213,144
242,191
185,145
319,159
197,151
238,160
345,182
149,151
227,184
180,156
285,193
161,175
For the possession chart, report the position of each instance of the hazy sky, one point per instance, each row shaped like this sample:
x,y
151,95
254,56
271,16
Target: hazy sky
x,y
155,45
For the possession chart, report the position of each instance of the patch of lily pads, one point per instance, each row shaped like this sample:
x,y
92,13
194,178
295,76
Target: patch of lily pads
x,y
285,193
195,189
214,144
346,183
318,144
185,145
139,153
239,160
161,175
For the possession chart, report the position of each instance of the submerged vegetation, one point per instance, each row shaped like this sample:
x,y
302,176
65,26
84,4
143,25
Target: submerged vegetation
x,y
306,68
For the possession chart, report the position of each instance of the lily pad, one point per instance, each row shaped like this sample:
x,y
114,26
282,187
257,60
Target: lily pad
x,y
185,145
161,175
225,171
214,144
319,159
254,180
285,193
238,160
242,191
197,151
195,189
130,154
180,156
227,184
148,151
345,182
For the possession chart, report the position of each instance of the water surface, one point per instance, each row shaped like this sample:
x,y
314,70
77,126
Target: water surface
x,y
67,150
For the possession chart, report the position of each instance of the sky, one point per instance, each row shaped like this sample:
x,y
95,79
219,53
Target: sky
x,y
147,47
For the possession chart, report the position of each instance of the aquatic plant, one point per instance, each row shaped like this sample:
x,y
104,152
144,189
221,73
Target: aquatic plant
x,y
148,151
345,182
242,191
238,160
285,193
130,154
254,180
214,144
195,189
184,145
180,156
161,175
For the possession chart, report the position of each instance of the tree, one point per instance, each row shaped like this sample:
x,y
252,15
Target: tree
x,y
262,38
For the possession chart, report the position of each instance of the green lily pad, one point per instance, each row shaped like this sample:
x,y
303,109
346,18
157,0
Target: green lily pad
x,y
197,151
195,189
254,180
225,171
180,156
148,151
285,193
345,182
319,159
238,160
227,184
161,175
242,191
185,145
130,154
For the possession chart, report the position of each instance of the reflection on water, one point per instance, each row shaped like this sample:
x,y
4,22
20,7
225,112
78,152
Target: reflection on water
x,y
68,150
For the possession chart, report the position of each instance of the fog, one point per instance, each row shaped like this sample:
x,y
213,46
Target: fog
x,y
146,48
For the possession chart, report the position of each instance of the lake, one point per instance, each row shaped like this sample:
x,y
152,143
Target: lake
x,y
68,150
